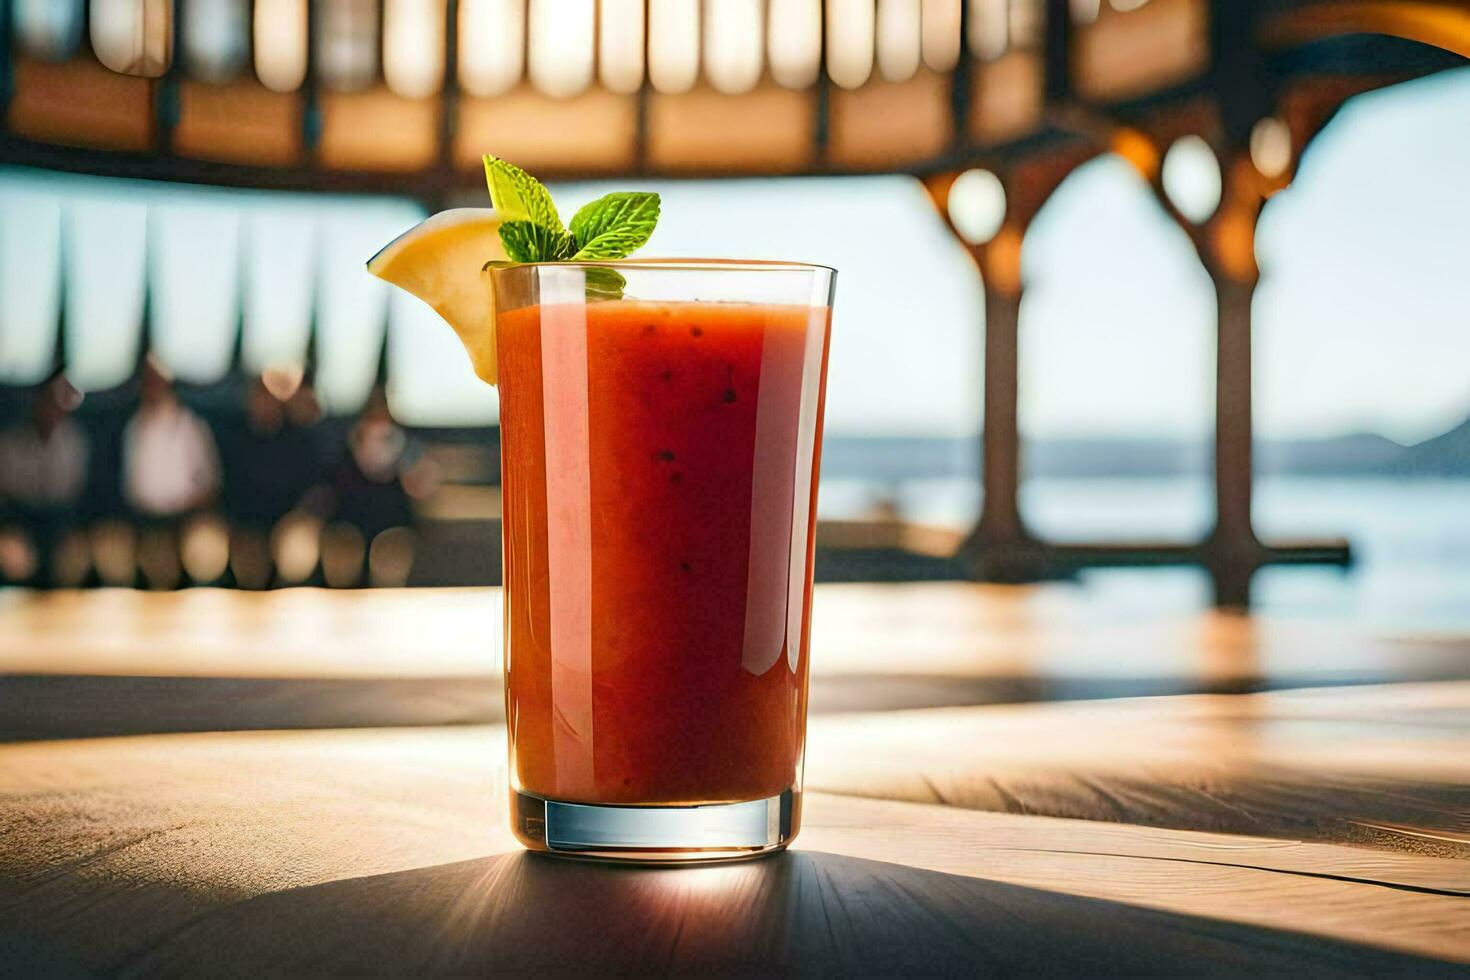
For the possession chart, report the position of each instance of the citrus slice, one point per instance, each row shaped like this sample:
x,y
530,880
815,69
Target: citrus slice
x,y
441,261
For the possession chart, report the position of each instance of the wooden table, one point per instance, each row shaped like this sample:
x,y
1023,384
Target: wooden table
x,y
124,662
1324,830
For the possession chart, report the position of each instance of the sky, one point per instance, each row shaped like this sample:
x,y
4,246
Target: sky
x,y
1362,315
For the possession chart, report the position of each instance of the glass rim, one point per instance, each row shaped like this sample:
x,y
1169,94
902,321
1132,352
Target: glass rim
x,y
680,264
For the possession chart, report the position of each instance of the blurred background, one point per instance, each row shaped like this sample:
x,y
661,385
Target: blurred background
x,y
1165,296
1145,496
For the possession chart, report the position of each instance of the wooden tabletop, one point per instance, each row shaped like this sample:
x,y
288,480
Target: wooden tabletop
x,y
124,662
1324,830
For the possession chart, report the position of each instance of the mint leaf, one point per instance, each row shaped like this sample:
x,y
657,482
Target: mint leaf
x,y
528,241
611,227
517,196
614,225
605,283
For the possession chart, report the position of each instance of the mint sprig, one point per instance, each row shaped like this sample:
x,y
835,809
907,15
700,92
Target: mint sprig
x,y
526,241
615,225
517,196
611,227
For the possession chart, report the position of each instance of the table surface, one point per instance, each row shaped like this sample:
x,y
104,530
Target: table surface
x,y
124,662
1325,829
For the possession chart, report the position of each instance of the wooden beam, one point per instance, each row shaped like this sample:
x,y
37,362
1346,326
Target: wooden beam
x,y
166,88
6,41
1057,42
311,110
448,111
1444,24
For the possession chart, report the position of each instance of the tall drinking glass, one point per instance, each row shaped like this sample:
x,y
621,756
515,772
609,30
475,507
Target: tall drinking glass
x,y
661,427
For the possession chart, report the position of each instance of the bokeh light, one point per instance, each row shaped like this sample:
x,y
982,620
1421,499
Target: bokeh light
x,y
561,43
977,205
900,39
1192,178
1271,147
732,44
413,47
491,56
280,36
673,45
850,36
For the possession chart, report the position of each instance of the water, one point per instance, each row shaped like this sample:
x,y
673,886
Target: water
x,y
1410,538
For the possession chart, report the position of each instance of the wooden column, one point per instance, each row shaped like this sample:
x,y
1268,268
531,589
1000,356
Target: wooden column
x,y
1233,425
1000,525
1226,244
1000,548
1227,247
1234,551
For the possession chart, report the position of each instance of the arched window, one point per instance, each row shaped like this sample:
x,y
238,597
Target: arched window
x,y
215,37
134,37
1363,358
347,44
1116,365
48,29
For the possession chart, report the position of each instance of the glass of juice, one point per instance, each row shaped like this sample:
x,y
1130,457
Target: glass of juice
x,y
661,427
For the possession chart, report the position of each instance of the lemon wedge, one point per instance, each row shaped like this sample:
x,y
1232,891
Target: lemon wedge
x,y
441,260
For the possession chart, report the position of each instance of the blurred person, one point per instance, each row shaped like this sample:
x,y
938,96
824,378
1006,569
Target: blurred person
x,y
17,557
271,460
303,407
370,495
296,541
170,474
43,472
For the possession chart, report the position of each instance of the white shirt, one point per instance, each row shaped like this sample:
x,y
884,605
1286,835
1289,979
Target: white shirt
x,y
170,464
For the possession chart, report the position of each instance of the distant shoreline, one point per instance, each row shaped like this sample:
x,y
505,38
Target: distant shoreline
x,y
897,458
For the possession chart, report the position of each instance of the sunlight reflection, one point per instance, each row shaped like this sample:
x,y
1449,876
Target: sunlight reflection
x,y
850,38
561,46
673,45
413,47
280,35
794,41
620,44
941,27
491,55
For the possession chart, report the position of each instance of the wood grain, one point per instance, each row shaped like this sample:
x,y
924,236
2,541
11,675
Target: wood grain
x,y
1295,830
1059,639
121,662
1382,766
377,850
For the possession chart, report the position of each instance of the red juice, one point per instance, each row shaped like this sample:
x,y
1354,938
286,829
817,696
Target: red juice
x,y
659,464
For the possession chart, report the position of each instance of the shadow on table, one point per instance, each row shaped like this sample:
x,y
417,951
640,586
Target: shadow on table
x,y
46,706
797,912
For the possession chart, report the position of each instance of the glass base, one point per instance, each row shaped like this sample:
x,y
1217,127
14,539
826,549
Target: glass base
x,y
667,834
